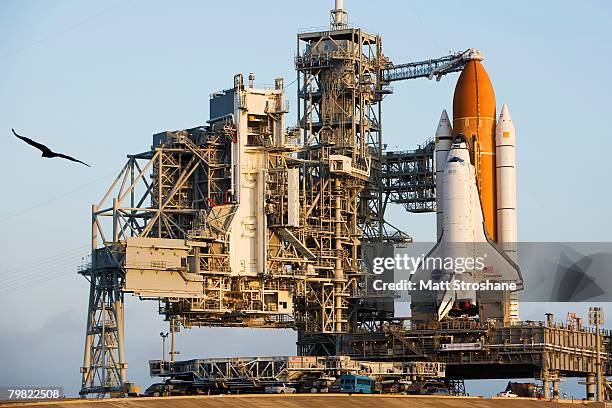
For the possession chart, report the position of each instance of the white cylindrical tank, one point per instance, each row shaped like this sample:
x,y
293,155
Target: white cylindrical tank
x,y
505,146
505,163
444,134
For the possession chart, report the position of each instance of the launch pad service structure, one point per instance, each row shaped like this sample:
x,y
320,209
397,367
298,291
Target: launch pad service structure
x,y
245,222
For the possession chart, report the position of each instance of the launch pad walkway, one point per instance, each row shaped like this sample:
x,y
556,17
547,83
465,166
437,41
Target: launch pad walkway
x,y
302,400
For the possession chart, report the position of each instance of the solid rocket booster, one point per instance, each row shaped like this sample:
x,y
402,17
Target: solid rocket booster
x,y
505,158
444,140
474,117
505,147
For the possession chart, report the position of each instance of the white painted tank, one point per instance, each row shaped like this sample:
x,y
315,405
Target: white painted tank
x,y
505,158
505,146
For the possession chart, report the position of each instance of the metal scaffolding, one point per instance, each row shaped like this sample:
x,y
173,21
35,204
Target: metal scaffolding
x,y
409,178
252,374
479,350
339,95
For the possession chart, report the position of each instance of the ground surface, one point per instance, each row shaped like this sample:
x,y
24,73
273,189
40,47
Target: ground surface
x,y
299,401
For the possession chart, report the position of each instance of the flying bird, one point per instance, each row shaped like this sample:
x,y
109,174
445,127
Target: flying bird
x,y
46,152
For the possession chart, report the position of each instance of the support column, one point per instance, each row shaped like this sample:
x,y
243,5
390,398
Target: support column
x,y
555,385
590,387
598,376
546,384
86,370
104,366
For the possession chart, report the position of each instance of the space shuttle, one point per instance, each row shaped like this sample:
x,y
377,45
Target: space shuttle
x,y
476,210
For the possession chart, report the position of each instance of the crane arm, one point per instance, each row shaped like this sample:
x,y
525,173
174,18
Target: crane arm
x,y
432,67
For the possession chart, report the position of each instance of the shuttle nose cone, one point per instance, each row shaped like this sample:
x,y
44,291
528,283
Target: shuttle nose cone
x,y
474,96
505,120
505,132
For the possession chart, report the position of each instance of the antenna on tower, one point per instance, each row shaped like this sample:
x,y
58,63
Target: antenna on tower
x,y
338,16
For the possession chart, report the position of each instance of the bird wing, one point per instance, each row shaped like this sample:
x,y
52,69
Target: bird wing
x,y
37,145
64,156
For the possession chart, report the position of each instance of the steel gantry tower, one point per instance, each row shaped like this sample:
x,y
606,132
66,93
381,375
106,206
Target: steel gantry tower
x,y
338,114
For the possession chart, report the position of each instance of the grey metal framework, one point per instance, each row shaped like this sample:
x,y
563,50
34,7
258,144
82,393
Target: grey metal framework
x,y
104,365
409,178
342,77
338,101
548,351
251,373
243,372
429,68
176,191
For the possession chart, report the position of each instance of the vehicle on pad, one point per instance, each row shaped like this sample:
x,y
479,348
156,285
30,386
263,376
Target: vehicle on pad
x,y
279,389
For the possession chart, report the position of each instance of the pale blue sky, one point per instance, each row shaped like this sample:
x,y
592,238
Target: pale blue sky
x,y
97,79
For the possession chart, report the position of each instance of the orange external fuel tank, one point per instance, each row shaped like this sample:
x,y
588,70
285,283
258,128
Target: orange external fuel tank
x,y
474,116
